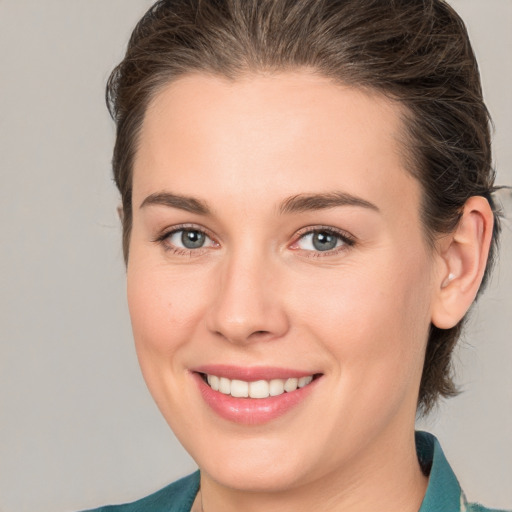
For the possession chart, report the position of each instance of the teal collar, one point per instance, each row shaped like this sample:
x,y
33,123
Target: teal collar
x,y
443,491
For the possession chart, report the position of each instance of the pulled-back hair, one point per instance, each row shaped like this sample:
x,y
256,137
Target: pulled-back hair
x,y
416,52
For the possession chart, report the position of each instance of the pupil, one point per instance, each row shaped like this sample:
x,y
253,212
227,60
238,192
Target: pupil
x,y
323,241
192,239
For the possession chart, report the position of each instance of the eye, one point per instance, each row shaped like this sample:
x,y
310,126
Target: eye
x,y
184,240
322,240
187,238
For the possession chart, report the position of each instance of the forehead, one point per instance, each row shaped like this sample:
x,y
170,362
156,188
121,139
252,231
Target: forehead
x,y
265,136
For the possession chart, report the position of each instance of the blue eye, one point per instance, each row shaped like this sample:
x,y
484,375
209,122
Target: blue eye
x,y
188,239
322,240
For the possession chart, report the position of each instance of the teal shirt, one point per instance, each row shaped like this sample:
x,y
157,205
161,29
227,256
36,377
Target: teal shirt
x,y
443,492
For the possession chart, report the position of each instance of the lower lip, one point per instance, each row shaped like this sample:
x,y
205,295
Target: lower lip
x,y
252,411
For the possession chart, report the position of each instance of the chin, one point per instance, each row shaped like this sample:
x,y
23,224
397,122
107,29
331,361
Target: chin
x,y
255,477
256,465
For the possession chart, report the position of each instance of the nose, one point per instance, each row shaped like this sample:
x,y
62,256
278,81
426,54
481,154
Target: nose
x,y
248,304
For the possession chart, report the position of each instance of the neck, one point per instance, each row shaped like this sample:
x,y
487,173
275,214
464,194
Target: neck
x,y
387,478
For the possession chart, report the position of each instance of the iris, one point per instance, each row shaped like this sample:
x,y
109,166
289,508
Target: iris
x,y
192,239
324,241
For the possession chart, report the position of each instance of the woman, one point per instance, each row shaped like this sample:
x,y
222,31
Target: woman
x,y
307,218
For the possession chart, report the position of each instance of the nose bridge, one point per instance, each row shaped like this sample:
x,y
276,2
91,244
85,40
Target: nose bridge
x,y
247,304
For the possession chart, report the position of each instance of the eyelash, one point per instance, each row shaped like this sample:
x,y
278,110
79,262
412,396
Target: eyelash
x,y
346,239
162,240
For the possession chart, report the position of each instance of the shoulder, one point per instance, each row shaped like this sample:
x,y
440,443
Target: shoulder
x,y
176,497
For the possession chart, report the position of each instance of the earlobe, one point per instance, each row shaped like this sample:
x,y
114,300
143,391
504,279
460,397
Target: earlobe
x,y
463,257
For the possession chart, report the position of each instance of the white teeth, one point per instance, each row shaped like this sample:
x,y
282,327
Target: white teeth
x,y
304,381
213,380
291,385
256,389
276,387
224,385
239,389
259,389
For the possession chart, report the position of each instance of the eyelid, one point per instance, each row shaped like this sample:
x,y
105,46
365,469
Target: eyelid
x,y
180,227
167,232
347,239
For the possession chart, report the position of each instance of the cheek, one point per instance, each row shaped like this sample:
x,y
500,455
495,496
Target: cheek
x,y
166,309
166,306
372,319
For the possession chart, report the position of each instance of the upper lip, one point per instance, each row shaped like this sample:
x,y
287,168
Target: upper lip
x,y
251,373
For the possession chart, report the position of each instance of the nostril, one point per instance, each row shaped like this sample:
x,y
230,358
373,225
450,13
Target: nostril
x,y
260,335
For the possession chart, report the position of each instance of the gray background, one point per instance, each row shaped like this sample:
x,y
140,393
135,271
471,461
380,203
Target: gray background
x,y
77,426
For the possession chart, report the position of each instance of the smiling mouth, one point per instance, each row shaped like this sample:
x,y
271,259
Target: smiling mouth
x,y
256,389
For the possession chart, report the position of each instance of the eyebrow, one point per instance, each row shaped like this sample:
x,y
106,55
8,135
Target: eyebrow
x,y
296,204
189,204
306,202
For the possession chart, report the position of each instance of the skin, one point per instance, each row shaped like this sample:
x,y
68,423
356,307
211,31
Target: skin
x,y
256,294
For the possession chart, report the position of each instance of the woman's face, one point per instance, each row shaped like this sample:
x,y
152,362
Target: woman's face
x,y
276,235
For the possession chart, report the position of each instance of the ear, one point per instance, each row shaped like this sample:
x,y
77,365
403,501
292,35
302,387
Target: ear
x,y
462,261
120,212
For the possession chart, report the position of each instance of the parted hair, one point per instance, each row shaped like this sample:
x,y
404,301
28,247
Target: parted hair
x,y
415,52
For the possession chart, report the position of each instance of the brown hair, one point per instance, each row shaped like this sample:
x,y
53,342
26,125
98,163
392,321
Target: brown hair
x,y
416,52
